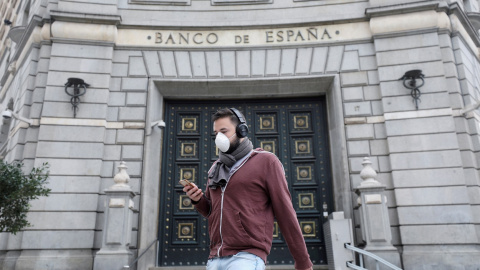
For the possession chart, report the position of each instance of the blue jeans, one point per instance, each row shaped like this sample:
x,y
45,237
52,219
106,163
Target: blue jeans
x,y
240,261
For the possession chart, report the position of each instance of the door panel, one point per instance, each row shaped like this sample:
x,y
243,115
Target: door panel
x,y
294,129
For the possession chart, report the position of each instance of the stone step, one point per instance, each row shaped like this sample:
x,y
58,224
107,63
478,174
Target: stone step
x,y
269,267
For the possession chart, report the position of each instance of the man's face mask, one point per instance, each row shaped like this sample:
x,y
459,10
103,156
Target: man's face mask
x,y
223,142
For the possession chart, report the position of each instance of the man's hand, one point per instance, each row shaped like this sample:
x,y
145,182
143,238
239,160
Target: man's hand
x,y
193,192
311,268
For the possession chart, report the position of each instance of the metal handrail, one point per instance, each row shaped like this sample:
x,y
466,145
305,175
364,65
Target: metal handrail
x,y
133,263
369,254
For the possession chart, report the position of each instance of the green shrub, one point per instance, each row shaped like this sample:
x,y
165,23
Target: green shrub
x,y
16,190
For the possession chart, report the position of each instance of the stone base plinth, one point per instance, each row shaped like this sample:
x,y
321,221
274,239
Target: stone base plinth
x,y
445,257
392,256
113,260
55,259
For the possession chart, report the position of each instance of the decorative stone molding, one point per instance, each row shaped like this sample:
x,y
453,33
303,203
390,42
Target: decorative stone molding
x,y
12,67
122,178
410,22
117,228
374,218
82,17
90,122
160,2
240,2
368,174
84,31
242,38
402,19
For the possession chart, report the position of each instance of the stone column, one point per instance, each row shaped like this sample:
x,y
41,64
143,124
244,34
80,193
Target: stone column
x,y
375,223
117,228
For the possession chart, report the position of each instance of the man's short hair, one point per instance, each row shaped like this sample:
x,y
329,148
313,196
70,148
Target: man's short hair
x,y
225,112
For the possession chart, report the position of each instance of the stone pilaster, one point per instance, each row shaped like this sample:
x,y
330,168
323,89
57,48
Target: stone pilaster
x,y
374,218
117,227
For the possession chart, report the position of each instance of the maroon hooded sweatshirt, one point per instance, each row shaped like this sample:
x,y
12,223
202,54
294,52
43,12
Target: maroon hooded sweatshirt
x,y
241,217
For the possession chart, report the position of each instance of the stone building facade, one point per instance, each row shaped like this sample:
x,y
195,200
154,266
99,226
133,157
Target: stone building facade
x,y
318,81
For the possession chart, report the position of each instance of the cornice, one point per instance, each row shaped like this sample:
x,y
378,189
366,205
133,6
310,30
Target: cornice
x,y
466,22
474,18
85,17
406,8
451,17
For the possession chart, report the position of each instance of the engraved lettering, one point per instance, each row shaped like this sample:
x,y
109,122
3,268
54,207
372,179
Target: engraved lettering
x,y
158,37
311,34
170,38
195,38
290,34
238,39
269,38
182,37
212,38
299,34
326,33
279,36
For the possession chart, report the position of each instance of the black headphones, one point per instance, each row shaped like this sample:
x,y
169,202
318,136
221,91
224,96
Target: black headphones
x,y
242,128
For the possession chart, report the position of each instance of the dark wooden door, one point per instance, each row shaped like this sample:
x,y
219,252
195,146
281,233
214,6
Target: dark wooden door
x,y
294,129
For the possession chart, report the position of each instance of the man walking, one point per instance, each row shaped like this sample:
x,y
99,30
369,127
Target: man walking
x,y
246,190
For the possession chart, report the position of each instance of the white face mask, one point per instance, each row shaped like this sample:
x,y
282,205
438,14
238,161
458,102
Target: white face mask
x,y
223,142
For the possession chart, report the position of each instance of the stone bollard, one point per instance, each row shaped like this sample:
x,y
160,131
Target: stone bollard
x,y
117,228
375,223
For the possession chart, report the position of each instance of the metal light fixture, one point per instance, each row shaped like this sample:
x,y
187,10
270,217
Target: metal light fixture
x,y
77,85
410,81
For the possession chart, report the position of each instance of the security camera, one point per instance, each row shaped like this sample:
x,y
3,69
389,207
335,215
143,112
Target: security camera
x,y
159,124
7,114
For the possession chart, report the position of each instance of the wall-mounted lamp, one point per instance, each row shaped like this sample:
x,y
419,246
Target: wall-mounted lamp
x,y
77,85
410,81
8,114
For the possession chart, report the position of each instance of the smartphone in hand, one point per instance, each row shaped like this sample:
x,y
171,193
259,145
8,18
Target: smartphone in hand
x,y
185,182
